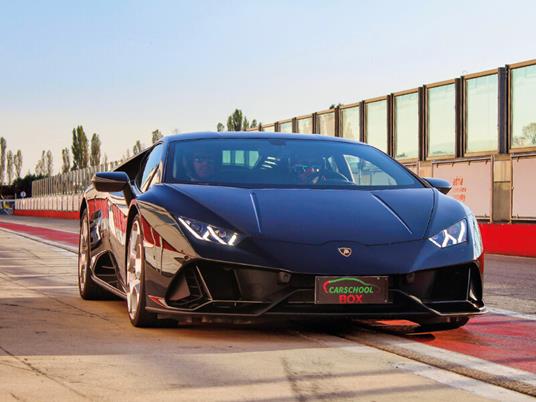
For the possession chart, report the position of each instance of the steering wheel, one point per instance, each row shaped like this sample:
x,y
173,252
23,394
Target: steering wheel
x,y
331,177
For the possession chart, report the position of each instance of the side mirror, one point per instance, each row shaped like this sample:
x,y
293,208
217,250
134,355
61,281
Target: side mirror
x,y
110,182
441,184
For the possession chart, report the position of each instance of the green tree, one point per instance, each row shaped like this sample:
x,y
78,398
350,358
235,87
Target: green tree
x,y
220,127
236,121
80,149
40,166
3,146
253,124
137,148
95,150
25,183
49,170
18,163
66,160
9,166
156,135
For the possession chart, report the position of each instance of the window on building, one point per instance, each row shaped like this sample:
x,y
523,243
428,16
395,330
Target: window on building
x,y
285,127
326,123
305,125
350,125
376,124
441,121
523,101
406,126
481,112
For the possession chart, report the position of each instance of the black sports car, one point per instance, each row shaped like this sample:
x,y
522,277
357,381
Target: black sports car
x,y
287,225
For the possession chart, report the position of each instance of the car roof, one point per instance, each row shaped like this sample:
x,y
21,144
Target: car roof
x,y
251,134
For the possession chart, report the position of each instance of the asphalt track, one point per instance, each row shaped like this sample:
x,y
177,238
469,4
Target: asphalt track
x,y
53,345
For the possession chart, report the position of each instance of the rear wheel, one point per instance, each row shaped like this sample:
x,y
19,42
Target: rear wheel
x,y
135,277
87,287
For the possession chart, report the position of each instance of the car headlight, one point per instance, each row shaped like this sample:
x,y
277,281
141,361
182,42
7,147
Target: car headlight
x,y
455,234
210,233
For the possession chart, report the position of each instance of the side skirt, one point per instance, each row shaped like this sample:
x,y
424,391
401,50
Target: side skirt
x,y
108,287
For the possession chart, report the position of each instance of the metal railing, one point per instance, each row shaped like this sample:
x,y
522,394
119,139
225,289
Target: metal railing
x,y
74,182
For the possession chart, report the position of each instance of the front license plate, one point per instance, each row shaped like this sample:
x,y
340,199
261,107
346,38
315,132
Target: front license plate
x,y
351,289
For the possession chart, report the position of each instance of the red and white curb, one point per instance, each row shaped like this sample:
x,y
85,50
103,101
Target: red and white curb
x,y
451,379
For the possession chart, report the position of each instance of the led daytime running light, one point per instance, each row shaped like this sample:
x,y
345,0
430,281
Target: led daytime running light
x,y
205,232
453,235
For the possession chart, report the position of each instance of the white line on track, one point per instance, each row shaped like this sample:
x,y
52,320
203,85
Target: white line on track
x,y
41,240
461,382
453,358
514,314
442,376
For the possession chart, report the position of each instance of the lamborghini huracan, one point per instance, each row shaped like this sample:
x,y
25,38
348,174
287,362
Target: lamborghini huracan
x,y
278,225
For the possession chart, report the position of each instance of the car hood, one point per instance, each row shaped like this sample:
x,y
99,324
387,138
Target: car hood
x,y
315,216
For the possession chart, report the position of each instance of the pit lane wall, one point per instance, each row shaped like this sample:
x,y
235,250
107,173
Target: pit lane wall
x,y
54,206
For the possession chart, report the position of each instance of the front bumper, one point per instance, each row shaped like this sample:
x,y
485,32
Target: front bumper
x,y
222,289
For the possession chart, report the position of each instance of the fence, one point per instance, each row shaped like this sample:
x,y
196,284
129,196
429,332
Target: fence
x,y
74,182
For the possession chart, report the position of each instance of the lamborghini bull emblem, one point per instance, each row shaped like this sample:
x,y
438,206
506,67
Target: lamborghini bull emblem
x,y
345,251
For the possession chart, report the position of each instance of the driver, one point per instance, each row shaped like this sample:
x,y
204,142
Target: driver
x,y
307,168
200,164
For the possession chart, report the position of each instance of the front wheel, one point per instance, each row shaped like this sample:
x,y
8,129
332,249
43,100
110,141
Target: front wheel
x,y
135,277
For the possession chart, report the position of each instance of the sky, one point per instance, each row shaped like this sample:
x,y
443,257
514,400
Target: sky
x,y
125,68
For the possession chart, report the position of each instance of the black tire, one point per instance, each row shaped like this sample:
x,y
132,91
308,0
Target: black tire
x,y
87,287
434,326
135,279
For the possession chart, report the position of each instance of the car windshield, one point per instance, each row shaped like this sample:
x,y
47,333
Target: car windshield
x,y
267,162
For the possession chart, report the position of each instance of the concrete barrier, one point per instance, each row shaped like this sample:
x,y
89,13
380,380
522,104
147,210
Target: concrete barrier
x,y
509,239
59,206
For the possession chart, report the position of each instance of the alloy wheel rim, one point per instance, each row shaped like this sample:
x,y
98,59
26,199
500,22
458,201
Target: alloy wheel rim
x,y
82,255
134,270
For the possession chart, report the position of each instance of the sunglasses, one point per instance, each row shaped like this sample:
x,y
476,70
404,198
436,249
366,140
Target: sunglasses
x,y
306,168
203,159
